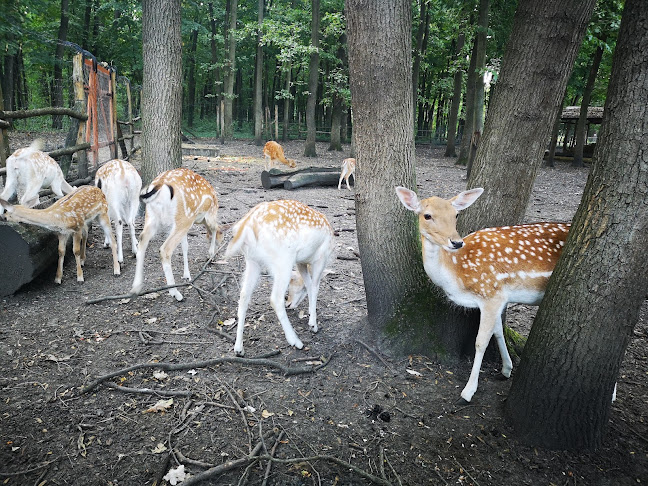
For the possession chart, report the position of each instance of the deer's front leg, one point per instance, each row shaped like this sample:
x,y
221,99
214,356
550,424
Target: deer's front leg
x,y
77,241
62,243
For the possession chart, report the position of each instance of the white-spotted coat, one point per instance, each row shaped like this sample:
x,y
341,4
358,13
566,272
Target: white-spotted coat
x,y
277,236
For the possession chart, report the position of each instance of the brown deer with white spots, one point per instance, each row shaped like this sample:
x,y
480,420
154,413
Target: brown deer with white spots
x,y
488,268
177,198
348,170
30,170
121,184
277,236
69,215
273,153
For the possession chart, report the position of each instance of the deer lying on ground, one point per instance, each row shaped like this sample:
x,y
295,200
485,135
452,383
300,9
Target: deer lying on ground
x,y
121,184
488,268
276,236
177,198
30,170
348,170
273,152
70,215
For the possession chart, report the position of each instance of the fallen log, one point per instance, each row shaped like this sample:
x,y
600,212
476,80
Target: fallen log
x,y
26,251
308,176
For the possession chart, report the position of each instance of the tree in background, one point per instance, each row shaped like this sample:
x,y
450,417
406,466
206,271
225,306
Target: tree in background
x,y
258,79
229,72
162,87
560,396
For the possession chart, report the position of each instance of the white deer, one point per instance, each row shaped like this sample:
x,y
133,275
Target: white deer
x,y
121,184
348,170
69,215
276,236
28,171
488,268
177,198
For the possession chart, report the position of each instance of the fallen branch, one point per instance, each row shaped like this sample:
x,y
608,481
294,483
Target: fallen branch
x,y
263,361
150,391
377,355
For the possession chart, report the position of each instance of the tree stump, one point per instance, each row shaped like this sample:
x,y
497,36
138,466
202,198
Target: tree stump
x,y
308,176
26,251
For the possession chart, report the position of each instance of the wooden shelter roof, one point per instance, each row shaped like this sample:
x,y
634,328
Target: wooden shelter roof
x,y
571,113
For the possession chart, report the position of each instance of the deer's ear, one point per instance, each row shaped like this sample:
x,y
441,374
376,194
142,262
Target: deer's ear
x,y
6,206
465,199
408,198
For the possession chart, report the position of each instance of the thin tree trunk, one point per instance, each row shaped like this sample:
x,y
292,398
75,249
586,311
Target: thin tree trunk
x,y
191,81
482,30
456,99
258,80
230,71
313,78
57,86
581,125
418,51
161,87
286,114
469,113
561,393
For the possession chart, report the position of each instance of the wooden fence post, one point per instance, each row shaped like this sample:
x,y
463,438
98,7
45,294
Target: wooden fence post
x,y
80,105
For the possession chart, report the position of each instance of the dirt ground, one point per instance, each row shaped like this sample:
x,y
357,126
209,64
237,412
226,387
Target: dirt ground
x,y
361,418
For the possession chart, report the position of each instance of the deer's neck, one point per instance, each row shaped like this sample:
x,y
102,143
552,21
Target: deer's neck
x,y
442,268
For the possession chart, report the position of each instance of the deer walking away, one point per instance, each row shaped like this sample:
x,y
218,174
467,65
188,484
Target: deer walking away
x,y
277,236
488,268
177,199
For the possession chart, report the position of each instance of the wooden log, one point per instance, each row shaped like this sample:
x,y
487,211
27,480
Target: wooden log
x,y
42,111
277,178
26,251
69,150
321,179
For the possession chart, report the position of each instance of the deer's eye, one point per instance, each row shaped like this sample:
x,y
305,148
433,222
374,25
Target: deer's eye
x,y
427,216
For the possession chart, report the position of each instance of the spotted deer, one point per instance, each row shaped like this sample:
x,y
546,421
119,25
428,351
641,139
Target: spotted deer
x,y
121,184
348,170
277,236
28,171
488,268
69,215
273,152
177,198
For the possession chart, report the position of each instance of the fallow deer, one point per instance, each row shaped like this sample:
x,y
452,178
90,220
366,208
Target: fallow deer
x,y
273,152
121,184
348,170
70,215
177,198
28,171
276,236
488,268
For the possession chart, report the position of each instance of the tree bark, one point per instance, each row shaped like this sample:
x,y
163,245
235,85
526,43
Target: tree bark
x,y
560,396
313,77
535,69
403,310
581,125
258,80
161,87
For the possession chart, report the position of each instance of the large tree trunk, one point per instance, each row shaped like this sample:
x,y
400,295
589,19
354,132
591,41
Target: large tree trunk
x,y
161,87
581,126
313,77
57,82
230,70
535,70
560,396
403,308
258,81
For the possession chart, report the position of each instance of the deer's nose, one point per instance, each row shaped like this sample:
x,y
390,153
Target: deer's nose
x,y
456,244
